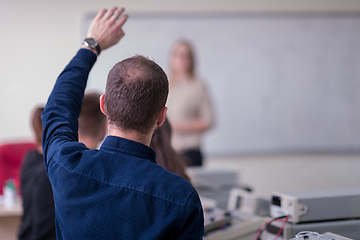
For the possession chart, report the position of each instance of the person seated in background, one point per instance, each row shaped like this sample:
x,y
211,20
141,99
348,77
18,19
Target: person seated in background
x,y
118,191
92,122
38,221
165,154
31,164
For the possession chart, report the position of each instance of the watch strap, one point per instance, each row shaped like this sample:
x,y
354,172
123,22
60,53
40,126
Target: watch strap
x,y
97,48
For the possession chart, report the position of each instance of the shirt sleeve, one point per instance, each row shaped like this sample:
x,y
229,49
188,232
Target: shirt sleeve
x,y
60,116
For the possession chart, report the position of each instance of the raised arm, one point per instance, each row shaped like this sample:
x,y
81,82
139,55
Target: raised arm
x,y
64,104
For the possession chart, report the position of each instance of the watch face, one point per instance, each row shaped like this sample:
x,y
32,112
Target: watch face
x,y
91,42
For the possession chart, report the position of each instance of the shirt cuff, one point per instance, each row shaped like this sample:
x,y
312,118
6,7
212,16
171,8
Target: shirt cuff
x,y
87,56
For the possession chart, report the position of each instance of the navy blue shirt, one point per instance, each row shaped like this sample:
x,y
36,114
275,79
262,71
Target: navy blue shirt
x,y
117,192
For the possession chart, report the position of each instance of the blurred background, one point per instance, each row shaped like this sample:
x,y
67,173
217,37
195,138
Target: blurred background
x,y
283,77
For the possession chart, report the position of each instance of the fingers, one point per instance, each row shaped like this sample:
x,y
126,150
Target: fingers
x,y
109,13
116,15
112,15
100,14
121,21
107,27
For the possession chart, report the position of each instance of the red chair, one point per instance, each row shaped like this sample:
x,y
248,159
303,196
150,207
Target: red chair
x,y
11,156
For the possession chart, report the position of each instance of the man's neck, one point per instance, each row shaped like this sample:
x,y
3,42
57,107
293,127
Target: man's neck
x,y
90,142
131,135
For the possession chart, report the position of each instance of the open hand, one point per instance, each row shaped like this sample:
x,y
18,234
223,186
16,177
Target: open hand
x,y
106,28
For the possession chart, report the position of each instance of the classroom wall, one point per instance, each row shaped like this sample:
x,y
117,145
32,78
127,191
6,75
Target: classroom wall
x,y
39,37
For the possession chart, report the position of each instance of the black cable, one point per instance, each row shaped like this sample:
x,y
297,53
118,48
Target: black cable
x,y
262,230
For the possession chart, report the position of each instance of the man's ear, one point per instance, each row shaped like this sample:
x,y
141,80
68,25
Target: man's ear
x,y
162,117
102,104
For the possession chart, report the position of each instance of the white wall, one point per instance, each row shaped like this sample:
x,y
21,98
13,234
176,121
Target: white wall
x,y
39,37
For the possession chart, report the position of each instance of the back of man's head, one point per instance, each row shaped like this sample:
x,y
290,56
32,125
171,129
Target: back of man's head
x,y
136,91
92,122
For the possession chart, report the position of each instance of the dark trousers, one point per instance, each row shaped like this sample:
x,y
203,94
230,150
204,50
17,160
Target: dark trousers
x,y
193,157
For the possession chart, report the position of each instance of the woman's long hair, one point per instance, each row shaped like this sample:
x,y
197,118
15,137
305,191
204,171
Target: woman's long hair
x,y
165,154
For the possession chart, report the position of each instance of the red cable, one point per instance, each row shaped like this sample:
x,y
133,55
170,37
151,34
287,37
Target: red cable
x,y
261,228
267,223
282,227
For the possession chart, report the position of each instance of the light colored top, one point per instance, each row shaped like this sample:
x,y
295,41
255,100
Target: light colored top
x,y
188,100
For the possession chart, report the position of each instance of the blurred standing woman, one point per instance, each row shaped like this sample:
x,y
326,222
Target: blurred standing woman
x,y
190,112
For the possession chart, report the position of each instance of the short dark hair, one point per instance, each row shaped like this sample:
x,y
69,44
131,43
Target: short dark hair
x,y
37,124
136,91
91,119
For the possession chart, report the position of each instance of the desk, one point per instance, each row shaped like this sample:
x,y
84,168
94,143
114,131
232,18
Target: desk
x,y
10,218
238,230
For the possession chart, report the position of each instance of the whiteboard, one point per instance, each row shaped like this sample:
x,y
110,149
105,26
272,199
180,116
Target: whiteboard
x,y
278,83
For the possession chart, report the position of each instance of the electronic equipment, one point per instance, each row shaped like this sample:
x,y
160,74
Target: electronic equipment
x,y
224,224
346,228
215,179
319,205
242,226
216,218
308,235
213,183
333,236
248,202
221,197
207,202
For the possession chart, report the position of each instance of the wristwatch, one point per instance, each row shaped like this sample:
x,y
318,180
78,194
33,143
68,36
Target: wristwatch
x,y
91,43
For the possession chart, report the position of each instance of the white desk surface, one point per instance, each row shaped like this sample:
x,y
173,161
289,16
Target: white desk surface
x,y
10,218
8,211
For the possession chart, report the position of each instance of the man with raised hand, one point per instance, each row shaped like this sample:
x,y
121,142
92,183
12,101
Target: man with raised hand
x,y
118,191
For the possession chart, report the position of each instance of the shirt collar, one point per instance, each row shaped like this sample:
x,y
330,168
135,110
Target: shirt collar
x,y
130,147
